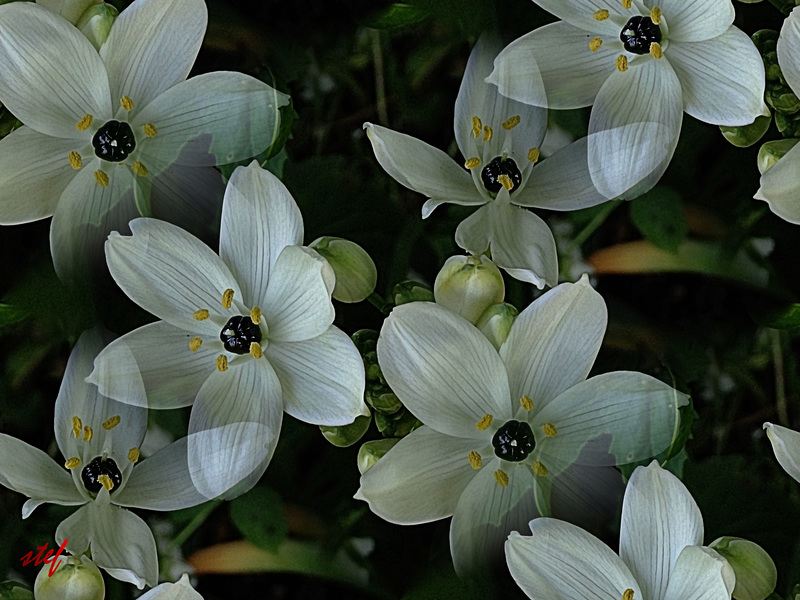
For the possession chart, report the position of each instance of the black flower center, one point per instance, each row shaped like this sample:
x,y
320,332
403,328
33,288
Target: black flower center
x,y
513,441
114,141
239,333
639,33
91,474
490,175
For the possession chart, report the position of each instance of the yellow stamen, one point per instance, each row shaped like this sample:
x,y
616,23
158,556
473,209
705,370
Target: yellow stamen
x,y
655,15
595,43
533,155
472,162
255,315
87,434
484,423
506,181
139,169
76,426
222,363
150,130
200,315
476,126
84,123
475,460
511,122
101,178
622,63
126,102
655,50
487,133
72,462
255,350
106,481
501,478
526,402
75,160
601,15
195,343
111,423
627,594
133,455
227,298
539,469
549,430
626,4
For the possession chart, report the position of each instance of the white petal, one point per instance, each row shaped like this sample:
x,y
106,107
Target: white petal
x,y
579,13
152,47
563,562
659,519
212,119
259,219
153,367
553,343
474,234
182,590
51,75
322,379
420,479
789,49
692,21
528,70
442,369
786,445
722,78
700,574
780,187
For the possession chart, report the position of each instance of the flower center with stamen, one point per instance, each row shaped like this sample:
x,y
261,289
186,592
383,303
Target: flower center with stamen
x,y
639,32
114,141
513,441
492,174
94,473
239,332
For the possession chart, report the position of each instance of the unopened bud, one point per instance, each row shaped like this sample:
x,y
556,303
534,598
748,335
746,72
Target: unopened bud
x,y
772,152
95,23
496,322
747,135
468,285
756,575
76,578
356,274
372,452
346,435
71,10
411,291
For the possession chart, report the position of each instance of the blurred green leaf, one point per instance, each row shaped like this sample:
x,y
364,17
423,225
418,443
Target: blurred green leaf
x,y
259,515
659,216
396,16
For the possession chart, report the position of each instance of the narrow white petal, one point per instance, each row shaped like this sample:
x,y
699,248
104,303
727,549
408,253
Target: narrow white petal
x,y
692,21
700,574
580,13
786,445
780,187
474,233
789,49
182,590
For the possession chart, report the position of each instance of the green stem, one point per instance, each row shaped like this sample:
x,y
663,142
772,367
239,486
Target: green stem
x,y
780,382
192,525
379,303
590,228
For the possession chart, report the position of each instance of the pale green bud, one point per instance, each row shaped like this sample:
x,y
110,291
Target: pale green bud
x,y
76,578
372,452
346,435
71,10
96,23
356,274
468,285
772,152
747,135
756,575
411,291
496,322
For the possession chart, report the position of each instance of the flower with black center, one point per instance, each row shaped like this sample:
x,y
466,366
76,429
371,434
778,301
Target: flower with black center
x,y
641,64
113,135
514,434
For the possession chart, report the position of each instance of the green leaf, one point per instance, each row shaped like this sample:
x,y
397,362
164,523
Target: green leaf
x,y
786,316
396,16
259,515
11,590
11,314
659,216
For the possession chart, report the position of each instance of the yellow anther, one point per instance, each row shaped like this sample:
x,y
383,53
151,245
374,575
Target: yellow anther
x,y
601,15
106,481
227,298
475,460
539,469
76,426
139,169
476,126
501,478
222,363
627,594
487,133
195,343
126,102
511,122
133,455
655,50
655,15
84,123
101,178
87,434
549,430
526,402
472,162
75,160
255,350
200,315
506,181
484,423
111,423
73,462
622,63
150,130
533,155
595,43
626,4
255,315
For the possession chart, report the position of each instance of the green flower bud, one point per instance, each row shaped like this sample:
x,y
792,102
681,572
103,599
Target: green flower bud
x,y
397,424
756,575
346,435
772,152
745,136
371,452
496,322
468,285
71,10
11,590
411,291
95,23
76,578
382,399
356,274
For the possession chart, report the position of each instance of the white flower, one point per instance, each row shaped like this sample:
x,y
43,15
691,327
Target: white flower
x,y
660,556
499,140
267,297
99,440
182,590
786,445
113,135
780,185
514,434
677,56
